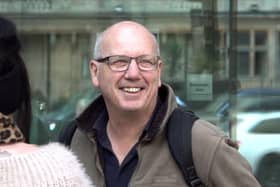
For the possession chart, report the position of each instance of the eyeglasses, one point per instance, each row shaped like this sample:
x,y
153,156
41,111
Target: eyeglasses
x,y
121,62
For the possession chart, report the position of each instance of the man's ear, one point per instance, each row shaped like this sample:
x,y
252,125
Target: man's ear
x,y
94,73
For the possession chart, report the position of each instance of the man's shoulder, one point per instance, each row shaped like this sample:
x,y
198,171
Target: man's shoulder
x,y
206,136
206,140
202,127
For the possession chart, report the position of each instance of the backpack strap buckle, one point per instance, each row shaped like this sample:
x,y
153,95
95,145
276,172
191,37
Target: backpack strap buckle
x,y
195,181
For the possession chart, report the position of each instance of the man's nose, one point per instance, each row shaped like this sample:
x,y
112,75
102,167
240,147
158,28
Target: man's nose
x,y
133,70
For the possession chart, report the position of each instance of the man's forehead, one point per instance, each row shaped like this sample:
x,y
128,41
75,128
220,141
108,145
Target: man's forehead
x,y
127,37
125,29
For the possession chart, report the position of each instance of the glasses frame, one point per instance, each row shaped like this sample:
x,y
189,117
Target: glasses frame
x,y
107,61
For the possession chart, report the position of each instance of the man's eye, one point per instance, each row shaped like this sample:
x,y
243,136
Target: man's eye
x,y
147,61
119,63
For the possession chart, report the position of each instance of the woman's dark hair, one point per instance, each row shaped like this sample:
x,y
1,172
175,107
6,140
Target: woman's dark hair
x,y
14,82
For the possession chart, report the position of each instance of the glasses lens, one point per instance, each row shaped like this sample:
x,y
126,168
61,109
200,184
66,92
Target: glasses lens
x,y
147,63
118,63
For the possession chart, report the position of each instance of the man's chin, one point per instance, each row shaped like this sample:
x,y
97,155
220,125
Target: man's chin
x,y
132,107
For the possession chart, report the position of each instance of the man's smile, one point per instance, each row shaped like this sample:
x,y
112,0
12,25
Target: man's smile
x,y
131,89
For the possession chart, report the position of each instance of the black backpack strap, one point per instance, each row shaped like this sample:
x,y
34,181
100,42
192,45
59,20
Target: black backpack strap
x,y
65,137
179,129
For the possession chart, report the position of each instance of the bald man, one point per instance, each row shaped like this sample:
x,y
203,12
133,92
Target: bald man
x,y
121,136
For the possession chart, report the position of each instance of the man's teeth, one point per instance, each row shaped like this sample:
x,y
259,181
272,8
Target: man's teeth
x,y
132,90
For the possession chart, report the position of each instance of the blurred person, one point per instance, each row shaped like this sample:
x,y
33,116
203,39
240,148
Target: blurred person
x,y
121,135
23,164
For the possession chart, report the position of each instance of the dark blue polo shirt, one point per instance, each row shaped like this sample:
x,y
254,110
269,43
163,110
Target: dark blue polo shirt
x,y
116,175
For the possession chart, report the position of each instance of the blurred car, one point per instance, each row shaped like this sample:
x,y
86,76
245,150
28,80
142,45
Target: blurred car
x,y
211,111
46,124
221,111
259,137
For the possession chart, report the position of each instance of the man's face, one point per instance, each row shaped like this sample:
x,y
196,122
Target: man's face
x,y
131,90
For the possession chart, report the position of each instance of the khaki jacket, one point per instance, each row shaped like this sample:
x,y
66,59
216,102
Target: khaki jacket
x,y
216,163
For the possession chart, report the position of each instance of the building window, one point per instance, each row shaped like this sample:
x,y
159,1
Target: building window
x,y
260,61
243,63
252,53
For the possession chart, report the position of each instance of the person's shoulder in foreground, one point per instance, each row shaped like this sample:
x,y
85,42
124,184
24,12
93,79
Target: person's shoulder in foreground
x,y
29,165
48,165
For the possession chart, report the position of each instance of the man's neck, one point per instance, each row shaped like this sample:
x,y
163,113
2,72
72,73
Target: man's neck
x,y
124,131
130,128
